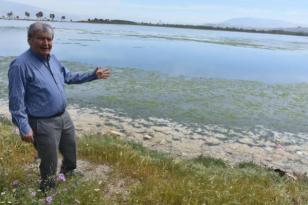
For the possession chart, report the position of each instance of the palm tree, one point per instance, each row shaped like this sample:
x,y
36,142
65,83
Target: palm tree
x,y
63,18
10,14
39,14
52,16
27,14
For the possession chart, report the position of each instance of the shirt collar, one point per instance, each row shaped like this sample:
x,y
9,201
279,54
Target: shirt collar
x,y
41,58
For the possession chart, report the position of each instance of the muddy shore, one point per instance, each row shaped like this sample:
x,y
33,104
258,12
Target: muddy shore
x,y
273,149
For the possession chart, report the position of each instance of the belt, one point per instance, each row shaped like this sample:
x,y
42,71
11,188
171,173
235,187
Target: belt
x,y
43,117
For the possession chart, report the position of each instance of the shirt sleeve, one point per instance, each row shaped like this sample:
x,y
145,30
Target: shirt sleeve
x,y
17,84
78,77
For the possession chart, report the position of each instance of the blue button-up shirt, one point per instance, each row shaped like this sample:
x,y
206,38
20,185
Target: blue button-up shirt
x,y
36,87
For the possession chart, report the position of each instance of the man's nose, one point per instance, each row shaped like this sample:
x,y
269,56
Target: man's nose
x,y
45,41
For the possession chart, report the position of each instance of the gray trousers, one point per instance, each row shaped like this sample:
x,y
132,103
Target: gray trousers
x,y
51,135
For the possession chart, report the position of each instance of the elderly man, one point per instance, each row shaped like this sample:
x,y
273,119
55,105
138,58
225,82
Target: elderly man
x,y
37,102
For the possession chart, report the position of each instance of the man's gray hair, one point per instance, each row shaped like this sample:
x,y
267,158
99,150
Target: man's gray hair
x,y
39,27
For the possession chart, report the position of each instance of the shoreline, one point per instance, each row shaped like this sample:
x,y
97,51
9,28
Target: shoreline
x,y
273,31
276,150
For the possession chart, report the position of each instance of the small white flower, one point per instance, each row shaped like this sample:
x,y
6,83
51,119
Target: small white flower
x,y
48,200
61,177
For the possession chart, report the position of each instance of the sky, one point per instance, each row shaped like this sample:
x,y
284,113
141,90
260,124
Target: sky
x,y
180,11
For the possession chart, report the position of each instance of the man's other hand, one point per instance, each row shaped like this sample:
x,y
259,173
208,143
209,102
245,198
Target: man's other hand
x,y
28,137
102,73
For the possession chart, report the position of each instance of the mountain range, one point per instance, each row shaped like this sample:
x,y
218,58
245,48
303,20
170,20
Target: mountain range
x,y
259,23
19,9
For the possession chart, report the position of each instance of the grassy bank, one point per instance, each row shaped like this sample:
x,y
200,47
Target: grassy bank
x,y
140,176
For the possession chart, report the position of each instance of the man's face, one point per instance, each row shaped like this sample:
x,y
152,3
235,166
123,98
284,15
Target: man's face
x,y
41,43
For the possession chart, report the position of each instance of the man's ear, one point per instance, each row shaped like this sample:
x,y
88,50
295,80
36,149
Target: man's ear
x,y
29,40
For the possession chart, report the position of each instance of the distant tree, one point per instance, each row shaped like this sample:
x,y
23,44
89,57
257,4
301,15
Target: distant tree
x,y
52,16
63,18
10,14
27,14
39,14
17,17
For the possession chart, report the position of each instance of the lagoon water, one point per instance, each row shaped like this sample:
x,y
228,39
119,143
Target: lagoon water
x,y
214,54
195,77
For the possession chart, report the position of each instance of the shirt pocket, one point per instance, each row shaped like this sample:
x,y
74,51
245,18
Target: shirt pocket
x,y
59,77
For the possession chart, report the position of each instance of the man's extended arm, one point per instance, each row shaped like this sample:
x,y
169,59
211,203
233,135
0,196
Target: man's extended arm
x,y
78,77
81,77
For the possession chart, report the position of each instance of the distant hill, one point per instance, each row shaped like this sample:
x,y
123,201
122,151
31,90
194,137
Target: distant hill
x,y
257,23
298,29
16,8
19,9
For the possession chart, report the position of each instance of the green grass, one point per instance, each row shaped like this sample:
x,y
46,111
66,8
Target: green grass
x,y
147,177
19,186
